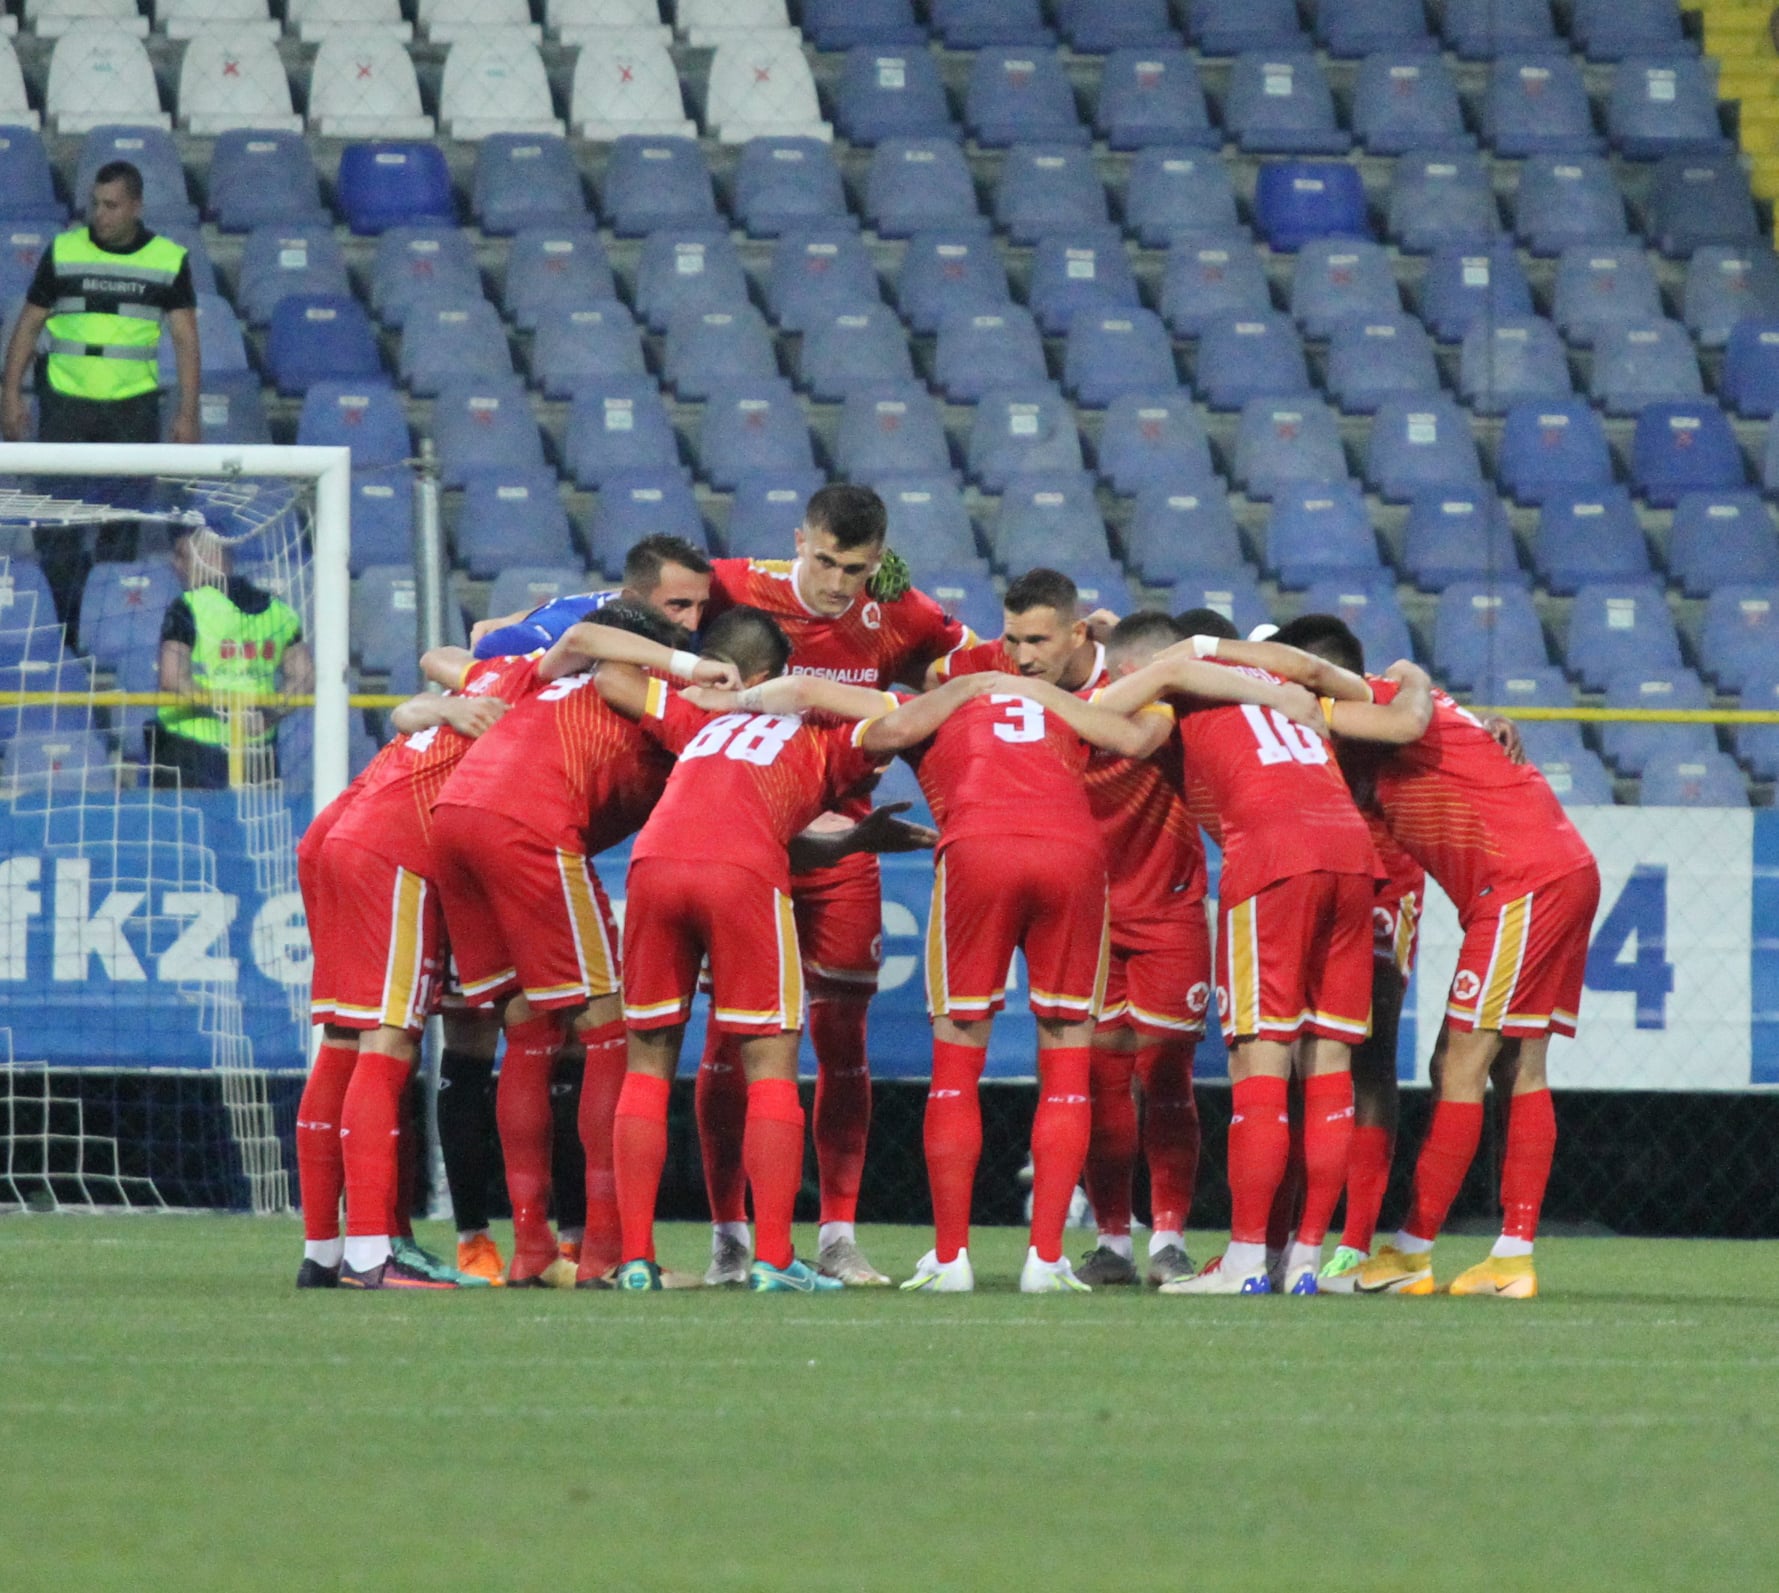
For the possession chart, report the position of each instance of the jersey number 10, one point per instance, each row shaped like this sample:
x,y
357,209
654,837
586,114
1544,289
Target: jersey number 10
x,y
1283,740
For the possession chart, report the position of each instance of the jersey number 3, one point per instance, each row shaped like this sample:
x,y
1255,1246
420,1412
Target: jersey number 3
x,y
748,738
1020,718
1283,740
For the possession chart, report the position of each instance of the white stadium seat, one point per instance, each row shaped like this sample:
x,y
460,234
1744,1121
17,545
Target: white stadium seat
x,y
15,109
496,84
447,21
589,21
186,19
628,86
313,20
50,19
364,87
98,76
761,87
708,23
231,80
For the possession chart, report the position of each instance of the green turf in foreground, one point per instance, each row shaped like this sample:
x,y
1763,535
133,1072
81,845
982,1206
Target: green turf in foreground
x,y
176,1416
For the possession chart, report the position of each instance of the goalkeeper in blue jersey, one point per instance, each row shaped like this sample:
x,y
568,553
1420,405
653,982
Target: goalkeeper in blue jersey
x,y
664,573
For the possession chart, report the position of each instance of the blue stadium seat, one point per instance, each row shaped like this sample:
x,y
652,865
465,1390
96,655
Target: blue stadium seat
x,y
521,587
1110,353
1176,531
1481,631
1634,746
1610,30
1568,199
317,337
928,524
1017,429
1227,27
841,24
1442,199
1047,188
1727,283
978,352
1279,103
1155,440
584,343
511,517
1171,192
863,347
1080,270
1578,780
394,185
412,263
1244,356
918,183
1417,443
382,517
1758,745
765,510
551,268
1552,447
1603,285
618,424
1664,106
1093,28
707,349
1296,200
1740,637
1020,95
1616,625
1376,358
1751,368
262,179
687,268
368,418
891,430
22,244
296,739
1506,362
1320,530
1699,199
818,272
1151,96
483,425
750,427
634,504
122,606
1338,279
1585,537
1371,611
1100,580
526,180
966,592
1280,442
27,186
446,339
891,93
230,409
1769,464
1348,28
950,272
222,352
1463,284
1538,105
1480,30
1693,780
653,183
155,154
971,24
384,631
1459,536
1722,538
58,760
1682,448
782,183
1232,593
1208,278
1406,100
1048,519
276,261
1644,362
1546,740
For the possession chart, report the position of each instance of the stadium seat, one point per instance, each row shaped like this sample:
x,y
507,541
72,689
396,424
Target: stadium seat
x,y
1442,200
484,426
765,510
1506,362
818,272
415,263
1232,593
1320,530
1348,28
707,349
101,76
1722,538
1644,362
1244,356
841,24
638,503
1758,745
1370,610
750,427
15,104
1406,100
1150,96
1047,519
627,87
1420,443
966,592
1611,30
1173,533
451,21
1633,746
1693,780
1227,27
1462,285
260,179
58,760
1727,283
526,181
891,430
230,409
928,524
891,93
1170,192
1482,631
1092,28
314,21
1699,199
520,587
1459,536
1568,199
394,185
1280,442
1603,285
446,338
21,246
1338,279
1664,106
1578,780
276,261
950,272
368,418
918,183
761,87
710,23
317,337
363,86
1279,103
1538,105
1155,439
652,183
153,152
1023,428
1295,201
1480,30
1616,625
1585,537
1682,448
511,518
122,606
1017,95
782,183
1552,447
1084,270
618,424
383,626
1545,740
551,268
1047,188
27,187
1740,636
495,83
858,348
234,80
1374,359
1209,278
1751,367
972,24
578,344
687,268
1109,353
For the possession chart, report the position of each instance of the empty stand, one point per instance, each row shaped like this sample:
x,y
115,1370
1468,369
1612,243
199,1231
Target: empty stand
x,y
627,87
554,267
1640,363
1506,362
1017,95
638,503
781,183
893,430
1405,100
1243,356
1551,448
1464,284
1442,200
320,337
1421,443
579,344
766,508
761,87
1172,534
950,272
481,426
1337,279
687,268
750,427
1110,353
1619,625
857,348
446,338
523,180
1150,96
1682,448
1080,271
818,272
363,86
1279,103
617,425
1584,537
1320,530
1483,631
1018,429
259,179
234,80
1048,520
651,183
919,183
1210,278
1047,188
509,518
1636,746
1173,192
1538,105
1452,536
1295,201
706,349
1740,636
1280,442
891,93
1722,538
1377,358
1151,440
385,185
367,418
1603,286
495,83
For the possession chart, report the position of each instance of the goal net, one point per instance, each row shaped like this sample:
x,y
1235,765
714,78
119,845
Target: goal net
x,y
154,958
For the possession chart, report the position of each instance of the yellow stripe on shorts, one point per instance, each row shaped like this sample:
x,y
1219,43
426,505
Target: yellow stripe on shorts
x,y
790,964
938,996
1505,963
404,973
592,947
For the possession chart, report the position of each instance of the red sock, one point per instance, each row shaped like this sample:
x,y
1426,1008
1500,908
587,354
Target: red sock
x,y
602,1079
1327,1146
1170,1132
1531,1146
952,1137
639,1152
370,1134
842,1102
407,1159
1446,1156
321,1171
721,1103
1368,1177
1287,1200
1060,1132
1112,1143
1259,1141
772,1150
522,1112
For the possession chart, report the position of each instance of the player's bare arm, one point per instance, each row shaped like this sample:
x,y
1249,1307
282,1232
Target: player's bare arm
x,y
919,717
1133,735
1290,663
468,716
495,622
882,831
624,687
1506,735
1175,673
592,643
792,694
1396,723
446,666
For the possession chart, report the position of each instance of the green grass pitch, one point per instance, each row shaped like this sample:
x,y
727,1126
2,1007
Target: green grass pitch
x,y
177,1416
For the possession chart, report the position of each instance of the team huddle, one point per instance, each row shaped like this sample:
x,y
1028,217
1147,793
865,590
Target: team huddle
x,y
1070,767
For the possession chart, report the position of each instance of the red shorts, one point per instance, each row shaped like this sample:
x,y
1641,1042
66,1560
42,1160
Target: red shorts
x,y
1396,931
840,925
993,896
1161,984
523,914
1294,959
677,912
380,939
1521,966
312,882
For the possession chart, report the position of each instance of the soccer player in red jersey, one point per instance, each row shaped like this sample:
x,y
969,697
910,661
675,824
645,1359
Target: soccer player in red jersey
x,y
850,619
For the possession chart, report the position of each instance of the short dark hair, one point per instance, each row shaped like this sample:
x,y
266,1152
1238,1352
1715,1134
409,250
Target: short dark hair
x,y
1043,589
1146,632
624,615
853,516
643,563
1206,622
1327,636
120,171
750,639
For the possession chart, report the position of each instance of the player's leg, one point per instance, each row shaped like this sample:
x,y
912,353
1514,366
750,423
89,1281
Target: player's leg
x,y
600,1029
1375,1105
568,1165
321,1168
1112,1141
720,1100
522,1115
772,1149
466,1133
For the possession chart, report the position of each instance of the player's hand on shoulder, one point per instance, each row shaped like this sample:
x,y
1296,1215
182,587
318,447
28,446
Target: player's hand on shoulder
x,y
473,716
1300,705
717,672
1506,735
1100,623
1406,670
480,629
712,699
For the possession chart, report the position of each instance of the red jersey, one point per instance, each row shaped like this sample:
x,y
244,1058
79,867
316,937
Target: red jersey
x,y
1403,876
565,764
1155,858
1477,823
1269,793
991,657
745,784
392,813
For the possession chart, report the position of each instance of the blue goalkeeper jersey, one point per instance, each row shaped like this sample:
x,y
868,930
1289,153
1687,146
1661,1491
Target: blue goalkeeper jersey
x,y
543,625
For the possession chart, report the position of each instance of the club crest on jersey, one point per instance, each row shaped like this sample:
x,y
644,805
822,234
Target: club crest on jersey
x,y
1467,986
871,616
1198,997
1223,1001
1383,923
